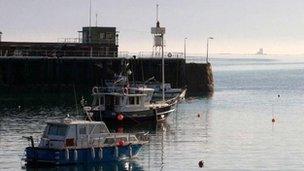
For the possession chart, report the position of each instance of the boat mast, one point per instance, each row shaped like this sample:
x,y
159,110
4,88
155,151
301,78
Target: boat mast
x,y
163,68
158,33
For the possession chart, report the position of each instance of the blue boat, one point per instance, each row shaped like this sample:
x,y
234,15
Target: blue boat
x,y
71,141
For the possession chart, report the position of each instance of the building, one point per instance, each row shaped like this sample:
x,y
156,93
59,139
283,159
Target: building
x,y
93,42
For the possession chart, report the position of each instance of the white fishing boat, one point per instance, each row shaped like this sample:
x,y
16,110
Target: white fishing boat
x,y
71,141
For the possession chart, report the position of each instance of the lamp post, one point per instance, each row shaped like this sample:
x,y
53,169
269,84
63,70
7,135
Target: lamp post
x,y
185,48
207,56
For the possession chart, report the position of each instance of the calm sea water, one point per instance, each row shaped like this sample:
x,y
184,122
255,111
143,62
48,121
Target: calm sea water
x,y
234,130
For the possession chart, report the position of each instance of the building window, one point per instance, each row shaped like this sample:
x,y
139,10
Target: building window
x,y
109,36
102,36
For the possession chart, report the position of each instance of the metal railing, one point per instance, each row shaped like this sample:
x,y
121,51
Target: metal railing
x,y
86,53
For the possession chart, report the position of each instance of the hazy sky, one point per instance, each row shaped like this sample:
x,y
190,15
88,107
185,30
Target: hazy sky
x,y
238,26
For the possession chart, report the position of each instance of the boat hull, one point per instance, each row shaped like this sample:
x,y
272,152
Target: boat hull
x,y
44,156
150,115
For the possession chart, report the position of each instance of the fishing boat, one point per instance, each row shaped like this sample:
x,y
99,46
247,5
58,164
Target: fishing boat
x,y
169,92
69,141
129,105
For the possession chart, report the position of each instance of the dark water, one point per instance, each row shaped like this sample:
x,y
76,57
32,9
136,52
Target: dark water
x,y
234,130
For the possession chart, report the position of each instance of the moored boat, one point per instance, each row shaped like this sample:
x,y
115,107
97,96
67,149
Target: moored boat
x,y
71,141
129,105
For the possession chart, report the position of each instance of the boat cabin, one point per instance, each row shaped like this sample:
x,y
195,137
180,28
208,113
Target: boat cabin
x,y
132,99
77,134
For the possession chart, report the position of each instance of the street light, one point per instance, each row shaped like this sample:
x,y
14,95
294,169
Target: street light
x,y
209,38
185,47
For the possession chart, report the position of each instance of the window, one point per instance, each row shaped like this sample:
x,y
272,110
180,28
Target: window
x,y
58,130
82,130
109,36
131,100
137,100
97,129
116,100
109,141
102,35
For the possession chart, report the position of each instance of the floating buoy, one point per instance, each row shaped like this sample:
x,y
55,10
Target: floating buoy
x,y
67,154
120,117
198,115
93,153
75,155
279,96
273,120
100,153
201,164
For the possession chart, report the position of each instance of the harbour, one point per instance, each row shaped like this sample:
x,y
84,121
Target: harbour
x,y
195,95
228,134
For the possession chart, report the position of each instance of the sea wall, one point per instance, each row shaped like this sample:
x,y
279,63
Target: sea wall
x,y
57,80
199,79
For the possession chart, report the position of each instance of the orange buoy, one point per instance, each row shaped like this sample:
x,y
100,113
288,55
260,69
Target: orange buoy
x,y
120,117
201,164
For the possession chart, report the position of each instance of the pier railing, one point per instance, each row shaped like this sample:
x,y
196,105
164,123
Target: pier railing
x,y
86,53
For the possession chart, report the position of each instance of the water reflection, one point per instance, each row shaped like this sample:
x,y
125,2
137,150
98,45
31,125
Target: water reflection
x,y
115,166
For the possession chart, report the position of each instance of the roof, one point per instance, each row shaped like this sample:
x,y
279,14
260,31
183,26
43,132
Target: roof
x,y
69,121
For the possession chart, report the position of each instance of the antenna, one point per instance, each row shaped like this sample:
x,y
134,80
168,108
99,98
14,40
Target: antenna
x,y
96,19
157,12
90,13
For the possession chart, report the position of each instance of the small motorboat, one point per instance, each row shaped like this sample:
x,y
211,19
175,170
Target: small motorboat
x,y
70,141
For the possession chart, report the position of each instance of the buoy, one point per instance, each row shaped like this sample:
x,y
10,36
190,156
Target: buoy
x,y
130,151
273,120
120,117
75,155
279,96
93,153
100,154
120,143
116,152
201,164
67,154
198,115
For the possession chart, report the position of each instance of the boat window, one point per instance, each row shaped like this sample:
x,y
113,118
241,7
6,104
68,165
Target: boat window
x,y
109,141
59,130
137,100
82,130
99,129
131,100
116,100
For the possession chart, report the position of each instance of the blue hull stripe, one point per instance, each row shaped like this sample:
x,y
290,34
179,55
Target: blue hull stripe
x,y
61,157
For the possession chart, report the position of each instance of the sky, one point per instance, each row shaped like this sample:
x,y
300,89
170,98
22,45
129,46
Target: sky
x,y
238,26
